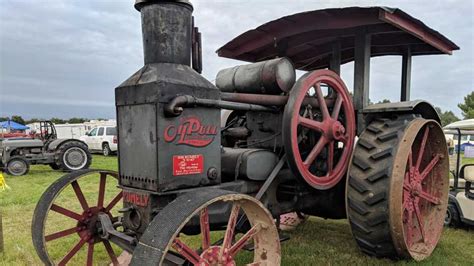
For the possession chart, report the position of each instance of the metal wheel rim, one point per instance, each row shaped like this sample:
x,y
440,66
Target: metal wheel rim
x,y
41,215
106,151
17,167
415,203
262,225
343,104
75,154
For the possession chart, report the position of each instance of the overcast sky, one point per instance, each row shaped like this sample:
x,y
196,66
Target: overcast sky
x,y
63,58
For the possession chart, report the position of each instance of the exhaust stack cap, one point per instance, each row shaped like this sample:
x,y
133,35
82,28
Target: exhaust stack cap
x,y
140,3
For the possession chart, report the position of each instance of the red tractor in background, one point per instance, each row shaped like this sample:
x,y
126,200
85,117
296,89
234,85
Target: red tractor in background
x,y
287,146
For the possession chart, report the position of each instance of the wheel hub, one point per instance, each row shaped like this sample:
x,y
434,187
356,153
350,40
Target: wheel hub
x,y
88,225
210,256
336,130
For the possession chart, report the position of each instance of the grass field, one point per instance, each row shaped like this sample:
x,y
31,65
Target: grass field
x,y
317,242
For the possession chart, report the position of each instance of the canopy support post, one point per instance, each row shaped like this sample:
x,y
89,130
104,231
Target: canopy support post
x,y
361,75
406,76
335,61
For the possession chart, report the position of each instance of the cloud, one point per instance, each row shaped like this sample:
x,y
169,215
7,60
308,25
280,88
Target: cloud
x,y
64,58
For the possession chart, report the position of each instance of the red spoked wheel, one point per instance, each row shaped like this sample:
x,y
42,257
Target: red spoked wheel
x,y
425,189
319,128
181,233
65,222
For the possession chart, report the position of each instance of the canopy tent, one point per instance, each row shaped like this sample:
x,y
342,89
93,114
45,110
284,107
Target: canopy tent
x,y
467,124
12,125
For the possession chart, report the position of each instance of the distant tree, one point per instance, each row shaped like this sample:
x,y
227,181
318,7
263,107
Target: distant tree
x,y
18,119
467,107
32,120
447,117
56,120
77,120
4,118
384,101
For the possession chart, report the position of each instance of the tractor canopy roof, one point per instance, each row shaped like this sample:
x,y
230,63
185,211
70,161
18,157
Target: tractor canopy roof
x,y
307,38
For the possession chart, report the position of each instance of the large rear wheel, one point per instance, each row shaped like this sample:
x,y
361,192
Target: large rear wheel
x,y
397,189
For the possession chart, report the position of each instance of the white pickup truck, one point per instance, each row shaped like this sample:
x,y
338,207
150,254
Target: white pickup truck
x,y
102,139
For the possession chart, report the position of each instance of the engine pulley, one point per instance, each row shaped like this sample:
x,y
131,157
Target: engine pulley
x,y
319,135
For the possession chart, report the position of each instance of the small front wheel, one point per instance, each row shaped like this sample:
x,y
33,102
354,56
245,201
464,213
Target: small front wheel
x,y
17,166
165,241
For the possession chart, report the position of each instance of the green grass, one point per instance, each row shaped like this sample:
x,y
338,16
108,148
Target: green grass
x,y
317,242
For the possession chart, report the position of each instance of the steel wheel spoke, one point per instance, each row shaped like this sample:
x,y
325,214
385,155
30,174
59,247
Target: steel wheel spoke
x,y
229,232
430,167
315,152
111,252
409,226
330,157
61,234
80,195
90,254
322,101
186,251
422,148
420,221
337,107
205,231
244,239
72,252
310,123
114,202
430,198
100,200
66,212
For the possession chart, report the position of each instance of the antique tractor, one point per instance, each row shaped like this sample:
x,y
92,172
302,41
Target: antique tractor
x,y
198,192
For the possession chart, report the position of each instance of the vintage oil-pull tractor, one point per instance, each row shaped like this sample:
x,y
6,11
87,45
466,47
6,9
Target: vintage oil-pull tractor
x,y
286,146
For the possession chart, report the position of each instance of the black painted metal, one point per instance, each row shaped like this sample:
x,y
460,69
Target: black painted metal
x,y
151,143
167,32
406,76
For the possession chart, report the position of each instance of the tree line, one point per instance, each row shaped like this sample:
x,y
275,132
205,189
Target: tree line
x,y
55,120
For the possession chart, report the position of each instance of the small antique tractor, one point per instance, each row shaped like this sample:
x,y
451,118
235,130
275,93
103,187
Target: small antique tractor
x,y
194,192
43,147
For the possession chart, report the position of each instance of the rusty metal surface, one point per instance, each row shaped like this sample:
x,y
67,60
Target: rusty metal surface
x,y
419,190
162,237
306,38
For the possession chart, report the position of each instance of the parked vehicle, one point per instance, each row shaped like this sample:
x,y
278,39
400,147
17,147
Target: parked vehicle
x,y
43,147
102,139
461,195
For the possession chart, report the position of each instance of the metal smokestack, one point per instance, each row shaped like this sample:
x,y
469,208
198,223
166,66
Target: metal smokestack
x,y
167,31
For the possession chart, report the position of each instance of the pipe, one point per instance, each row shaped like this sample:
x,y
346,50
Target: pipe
x,y
272,100
175,106
166,30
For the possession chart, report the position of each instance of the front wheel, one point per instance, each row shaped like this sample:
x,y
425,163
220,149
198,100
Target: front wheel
x,y
165,243
17,166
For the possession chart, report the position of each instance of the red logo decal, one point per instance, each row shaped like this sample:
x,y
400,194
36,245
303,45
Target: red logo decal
x,y
136,199
188,164
191,132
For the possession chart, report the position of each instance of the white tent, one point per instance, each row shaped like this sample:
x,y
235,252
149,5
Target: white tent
x,y
467,124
